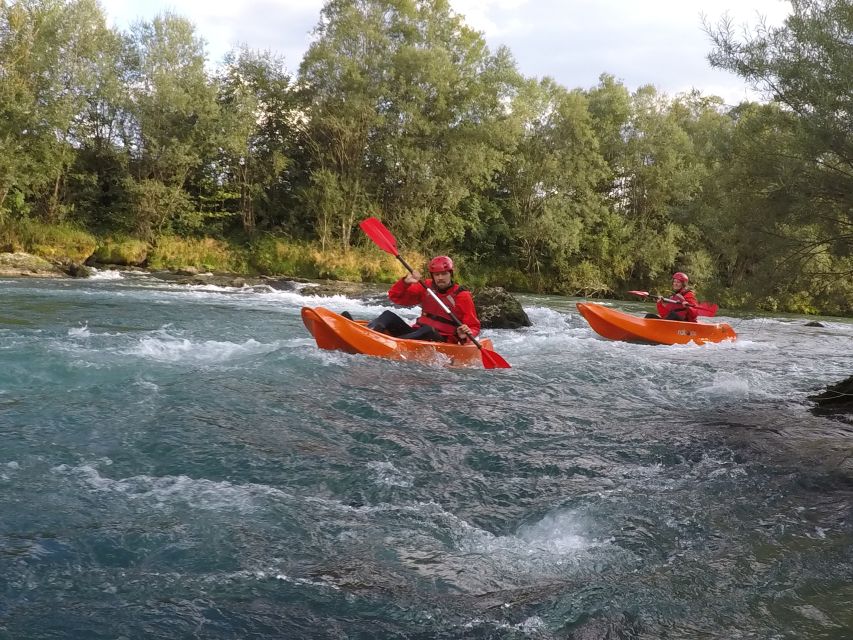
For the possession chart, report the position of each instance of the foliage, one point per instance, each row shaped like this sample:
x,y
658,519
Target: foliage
x,y
806,67
401,110
547,187
174,252
406,118
62,242
123,250
275,256
258,111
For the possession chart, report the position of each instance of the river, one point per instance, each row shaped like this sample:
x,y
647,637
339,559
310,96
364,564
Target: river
x,y
183,462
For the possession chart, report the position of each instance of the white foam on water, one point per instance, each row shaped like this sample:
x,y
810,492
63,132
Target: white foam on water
x,y
105,274
557,534
532,626
741,344
170,349
148,385
265,575
557,540
11,467
169,492
79,332
303,581
325,357
386,473
545,318
726,385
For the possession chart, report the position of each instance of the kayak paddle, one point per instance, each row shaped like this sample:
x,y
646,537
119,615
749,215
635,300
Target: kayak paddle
x,y
383,238
703,308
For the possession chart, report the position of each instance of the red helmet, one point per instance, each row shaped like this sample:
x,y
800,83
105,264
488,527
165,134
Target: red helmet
x,y
681,277
440,263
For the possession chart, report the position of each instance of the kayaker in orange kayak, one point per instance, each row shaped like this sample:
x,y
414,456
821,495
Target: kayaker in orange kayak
x,y
680,304
434,324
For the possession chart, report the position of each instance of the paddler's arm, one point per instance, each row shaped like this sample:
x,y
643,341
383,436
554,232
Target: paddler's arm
x,y
406,291
467,314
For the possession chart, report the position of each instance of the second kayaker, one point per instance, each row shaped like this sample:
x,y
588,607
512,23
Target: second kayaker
x,y
680,304
434,324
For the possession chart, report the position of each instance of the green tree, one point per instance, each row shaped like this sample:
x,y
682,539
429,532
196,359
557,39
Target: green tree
x,y
258,112
50,53
173,132
406,112
548,185
806,68
654,176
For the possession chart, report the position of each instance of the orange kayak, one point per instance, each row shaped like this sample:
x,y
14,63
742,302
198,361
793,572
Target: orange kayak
x,y
333,332
617,325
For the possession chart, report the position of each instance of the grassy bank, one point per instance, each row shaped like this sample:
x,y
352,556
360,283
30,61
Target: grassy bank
x,y
262,255
275,256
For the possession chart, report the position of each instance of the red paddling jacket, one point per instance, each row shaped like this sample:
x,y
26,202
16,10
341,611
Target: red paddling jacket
x,y
687,314
458,300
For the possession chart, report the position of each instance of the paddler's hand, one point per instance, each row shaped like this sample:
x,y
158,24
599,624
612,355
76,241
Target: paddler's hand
x,y
463,332
413,277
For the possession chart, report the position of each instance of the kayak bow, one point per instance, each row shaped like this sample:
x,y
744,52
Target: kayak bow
x,y
617,325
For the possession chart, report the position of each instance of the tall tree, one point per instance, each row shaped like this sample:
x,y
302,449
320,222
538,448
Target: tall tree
x,y
50,53
405,107
258,114
549,184
173,135
806,67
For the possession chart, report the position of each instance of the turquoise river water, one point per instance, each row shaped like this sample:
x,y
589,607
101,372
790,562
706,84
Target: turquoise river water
x,y
183,462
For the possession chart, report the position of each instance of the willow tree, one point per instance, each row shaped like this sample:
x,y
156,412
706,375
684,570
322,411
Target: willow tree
x,y
806,68
405,111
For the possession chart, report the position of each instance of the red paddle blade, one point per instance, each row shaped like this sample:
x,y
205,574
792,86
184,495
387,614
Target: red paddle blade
x,y
706,309
492,360
377,232
645,294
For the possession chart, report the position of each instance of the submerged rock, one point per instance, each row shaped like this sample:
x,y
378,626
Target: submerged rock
x,y
836,399
76,270
814,323
339,288
620,626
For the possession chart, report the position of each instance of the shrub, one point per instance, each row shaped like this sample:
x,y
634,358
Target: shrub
x,y
173,252
121,250
60,242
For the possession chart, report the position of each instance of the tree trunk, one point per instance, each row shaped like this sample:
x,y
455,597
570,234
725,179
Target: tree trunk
x,y
247,209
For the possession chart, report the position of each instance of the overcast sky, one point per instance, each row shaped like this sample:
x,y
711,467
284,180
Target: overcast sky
x,y
658,42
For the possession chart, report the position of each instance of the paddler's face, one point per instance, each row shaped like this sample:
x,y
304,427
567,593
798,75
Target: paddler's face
x,y
442,279
677,284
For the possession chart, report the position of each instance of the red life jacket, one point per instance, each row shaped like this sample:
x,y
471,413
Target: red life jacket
x,y
458,299
685,314
434,316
